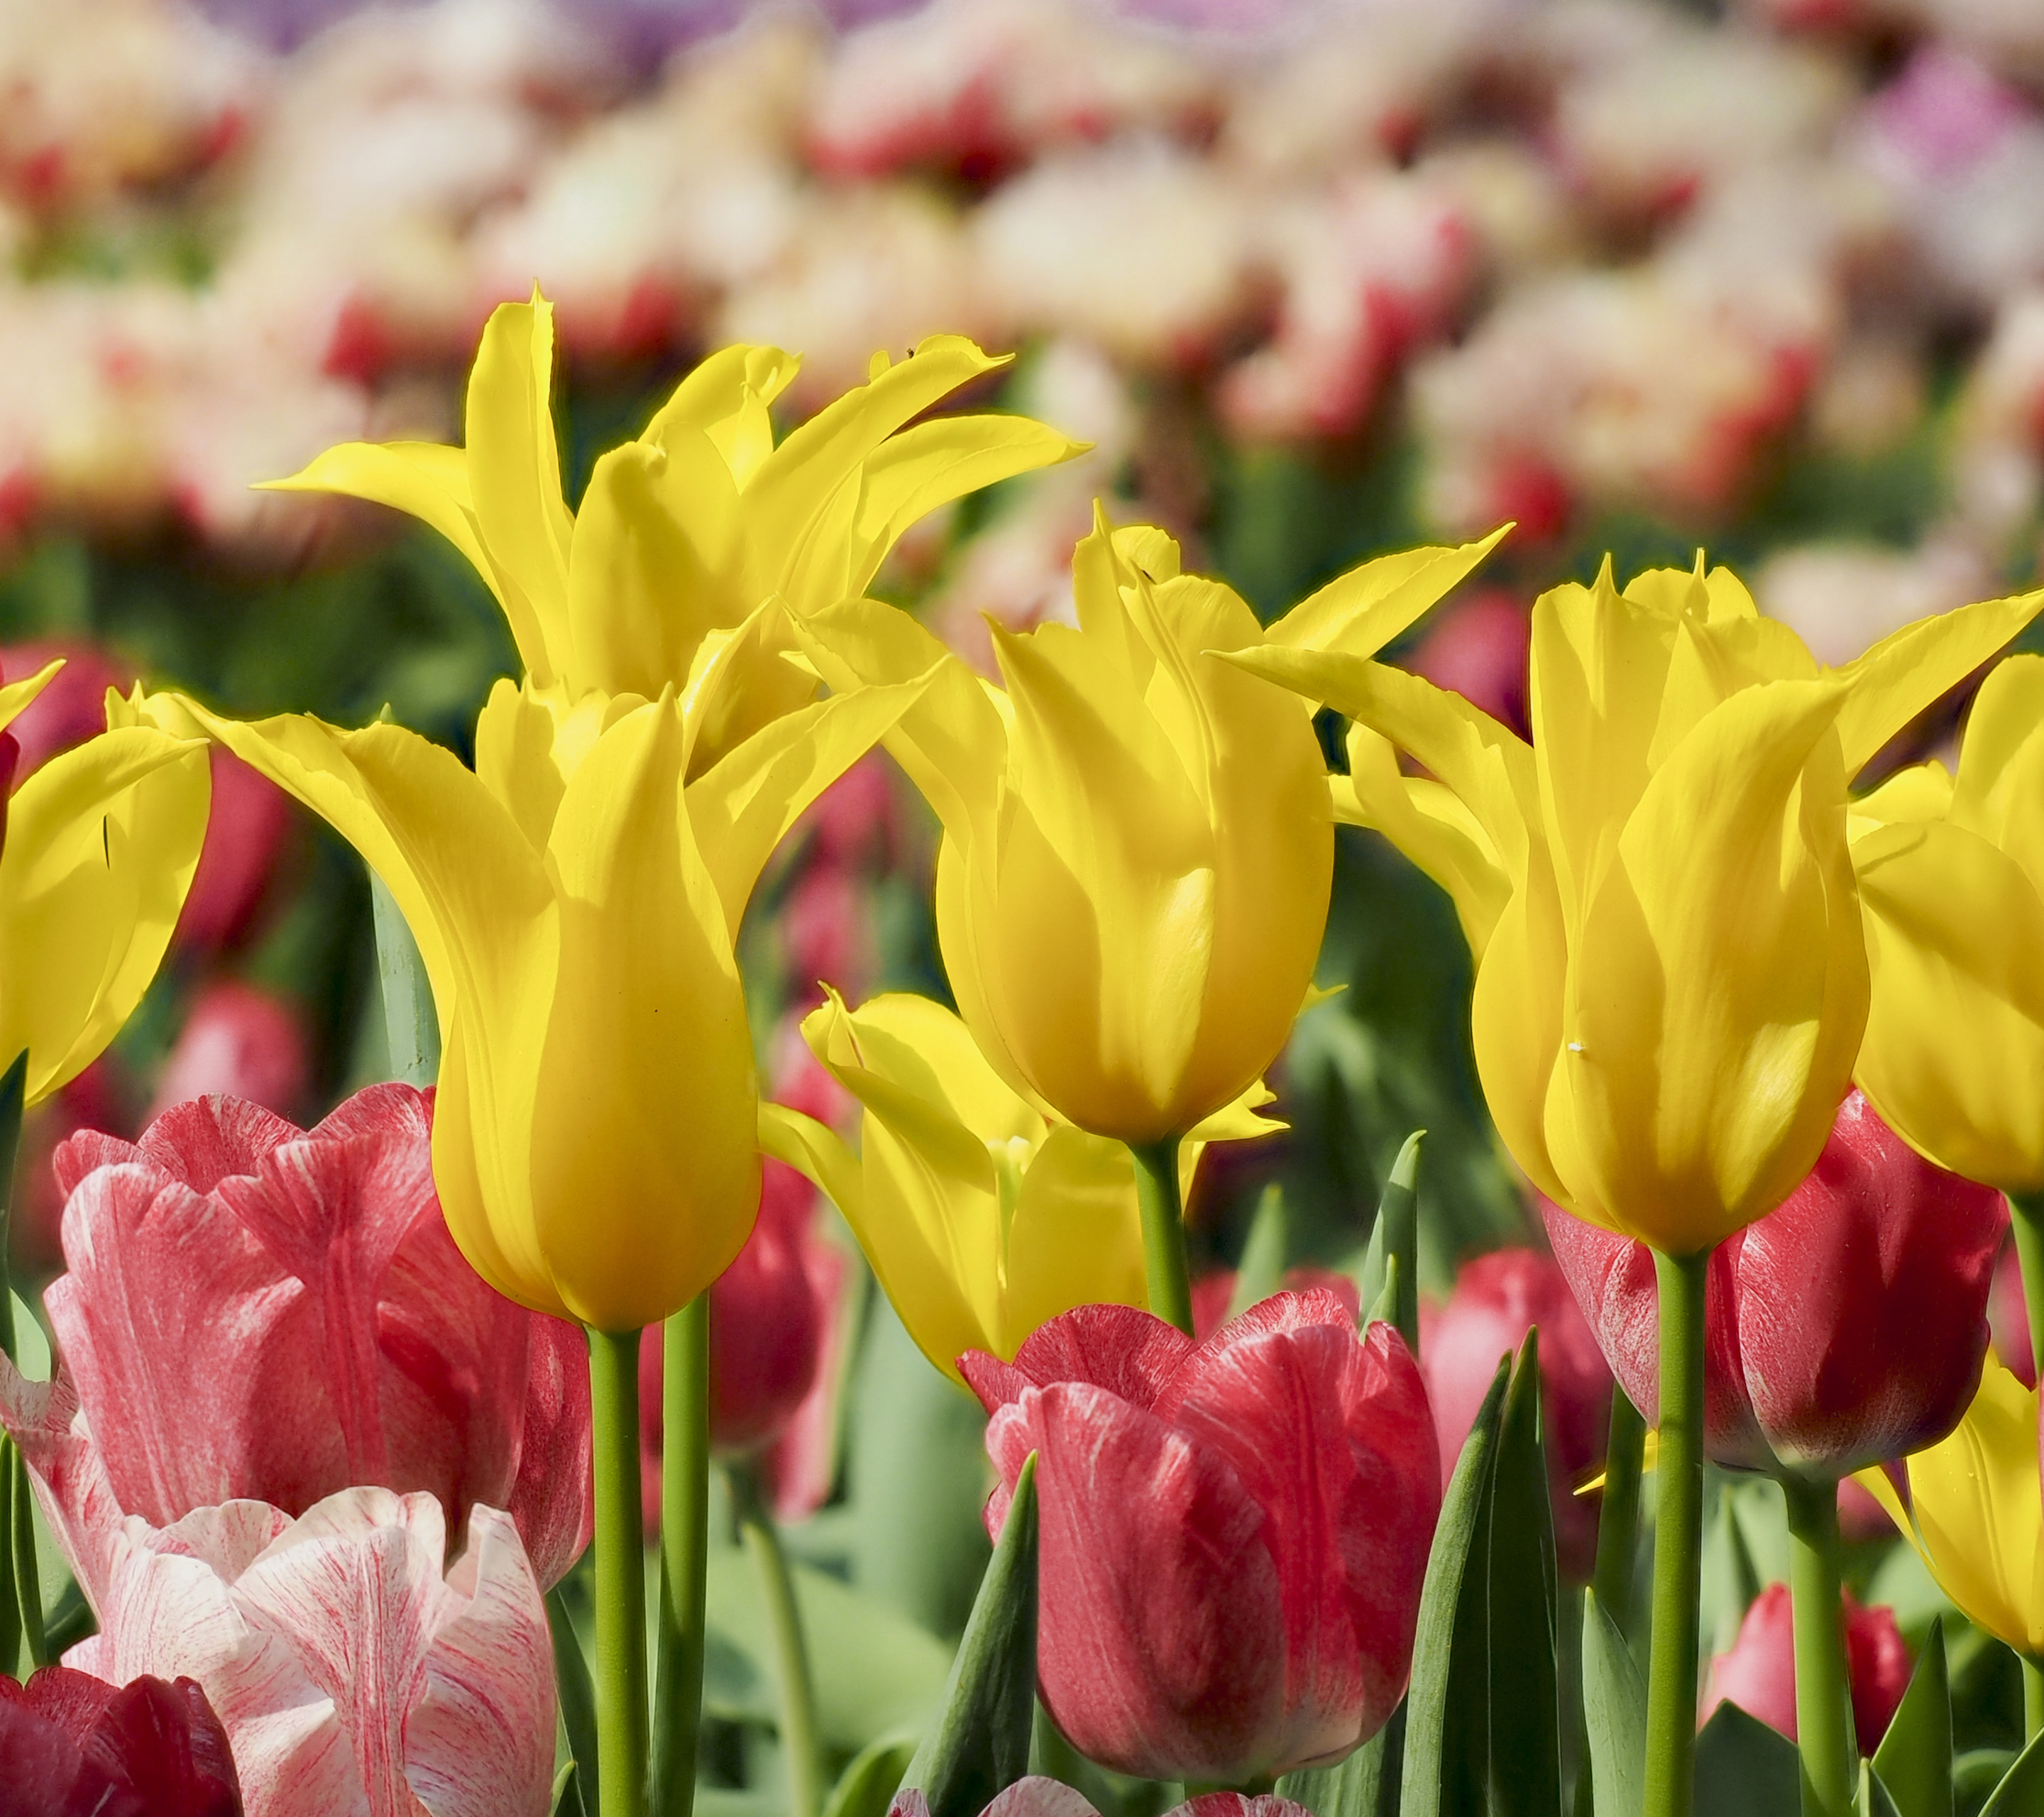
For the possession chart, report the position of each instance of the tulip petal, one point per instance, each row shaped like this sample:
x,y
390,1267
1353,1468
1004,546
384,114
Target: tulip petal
x,y
17,697
1074,1238
1360,612
906,1051
1126,1350
68,1474
2001,771
726,400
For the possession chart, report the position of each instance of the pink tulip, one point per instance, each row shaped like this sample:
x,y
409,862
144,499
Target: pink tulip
x,y
2008,1313
1758,1674
240,1041
245,836
256,1312
1036,1796
99,1098
1233,1533
72,708
1478,648
74,1746
355,1671
1498,1297
773,1325
1845,1326
1214,1292
826,930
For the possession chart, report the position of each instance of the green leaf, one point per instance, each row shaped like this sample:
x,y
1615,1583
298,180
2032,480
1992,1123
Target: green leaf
x,y
1873,1799
1614,1713
1744,1769
577,1697
1263,1270
979,1745
1365,1785
1397,1233
2021,1792
1731,1579
1914,1760
567,1792
868,1783
1447,1722
411,1024
13,1083
1525,1698
1385,1307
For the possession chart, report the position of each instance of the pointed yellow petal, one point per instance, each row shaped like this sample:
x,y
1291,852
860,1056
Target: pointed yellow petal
x,y
920,1047
817,1152
17,695
1076,1237
1363,610
427,480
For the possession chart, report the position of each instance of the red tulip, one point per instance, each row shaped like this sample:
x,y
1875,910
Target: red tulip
x,y
97,1099
1498,1297
1214,1292
827,929
1478,648
1845,1326
2009,1315
1233,1533
855,818
254,1311
72,708
1758,1674
244,835
1036,1796
238,1041
773,1324
74,1746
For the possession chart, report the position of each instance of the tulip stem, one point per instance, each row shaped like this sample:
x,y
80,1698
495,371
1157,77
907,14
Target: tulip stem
x,y
1678,1540
1618,1510
621,1575
1163,1231
684,1553
800,1743
2032,1699
1823,1697
2027,1219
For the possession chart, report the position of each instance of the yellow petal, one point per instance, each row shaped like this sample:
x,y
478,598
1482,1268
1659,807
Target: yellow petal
x,y
1999,789
727,399
1364,609
908,1044
17,695
1076,1238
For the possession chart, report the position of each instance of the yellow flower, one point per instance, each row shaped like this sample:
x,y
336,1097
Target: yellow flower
x,y
1137,848
685,531
593,1139
1672,976
1974,1513
101,842
981,1217
1951,878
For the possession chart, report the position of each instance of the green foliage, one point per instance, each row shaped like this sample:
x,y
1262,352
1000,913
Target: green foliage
x,y
1614,1715
1390,1268
1915,1758
1744,1769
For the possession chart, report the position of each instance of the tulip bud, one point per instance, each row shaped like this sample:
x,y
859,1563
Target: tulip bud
x,y
74,1746
1758,1674
243,1042
1233,1533
1846,1326
250,817
1498,1297
1478,648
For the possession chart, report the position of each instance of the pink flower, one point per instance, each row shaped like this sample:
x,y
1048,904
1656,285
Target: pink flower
x,y
1758,1674
253,1312
1036,1797
1498,1297
72,708
2009,1315
1478,648
240,1041
1233,1532
1214,1292
251,818
74,1746
1846,1326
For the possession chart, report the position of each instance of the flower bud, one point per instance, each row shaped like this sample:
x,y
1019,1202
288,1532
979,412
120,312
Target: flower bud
x,y
1758,1674
74,1746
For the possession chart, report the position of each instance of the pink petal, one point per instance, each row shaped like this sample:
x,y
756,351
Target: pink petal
x,y
1238,1804
800,1464
1123,1349
1034,1796
208,1139
77,1155
553,1499
67,1474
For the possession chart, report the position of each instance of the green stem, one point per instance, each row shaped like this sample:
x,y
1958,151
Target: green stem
x,y
2026,1218
684,1553
1163,1231
11,1625
2032,1699
27,1577
1618,1510
621,1575
1678,1540
1824,1691
800,1743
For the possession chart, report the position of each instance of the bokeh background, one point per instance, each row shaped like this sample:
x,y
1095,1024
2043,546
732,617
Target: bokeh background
x,y
1317,280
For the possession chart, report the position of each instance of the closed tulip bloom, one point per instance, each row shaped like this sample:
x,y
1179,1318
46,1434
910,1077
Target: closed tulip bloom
x,y
594,1135
683,532
1232,1534
1973,1512
1672,972
240,1040
1138,842
1758,1674
74,1746
1497,1299
981,1217
1846,1328
1951,871
254,1312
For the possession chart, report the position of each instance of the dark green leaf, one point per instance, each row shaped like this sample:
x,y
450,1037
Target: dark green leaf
x,y
411,1025
1614,1713
567,1792
867,1785
1525,1698
578,1694
979,1745
1397,1233
1873,1799
1385,1306
1915,1758
1446,1722
2021,1792
1365,1784
1263,1270
1744,1769
11,1084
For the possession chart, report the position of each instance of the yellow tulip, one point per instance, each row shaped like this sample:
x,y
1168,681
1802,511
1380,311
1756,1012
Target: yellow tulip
x,y
1951,877
1138,845
574,906
981,1217
1974,1514
685,531
1672,977
101,842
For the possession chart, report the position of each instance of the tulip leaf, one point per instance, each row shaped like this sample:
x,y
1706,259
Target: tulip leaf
x,y
568,1801
1397,1233
27,1577
1744,1769
1874,1799
867,1785
577,1699
1263,1270
1614,1713
411,1025
1365,1785
2021,1792
979,1745
1525,1697
1914,1760
13,1083
1447,1725
1386,1310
